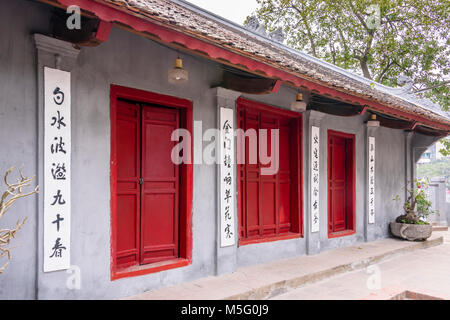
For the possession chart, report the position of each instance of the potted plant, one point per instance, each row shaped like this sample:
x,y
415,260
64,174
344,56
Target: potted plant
x,y
413,225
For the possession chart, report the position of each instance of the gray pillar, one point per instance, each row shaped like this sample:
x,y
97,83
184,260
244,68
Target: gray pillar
x,y
313,118
439,202
61,55
409,163
226,257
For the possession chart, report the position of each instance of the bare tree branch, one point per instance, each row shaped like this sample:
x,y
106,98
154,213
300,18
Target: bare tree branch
x,y
13,192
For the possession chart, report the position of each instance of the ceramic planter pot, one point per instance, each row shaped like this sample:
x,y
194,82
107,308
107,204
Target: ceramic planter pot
x,y
411,232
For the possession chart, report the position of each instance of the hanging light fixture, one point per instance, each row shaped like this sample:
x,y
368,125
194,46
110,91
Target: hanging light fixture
x,y
373,122
298,105
178,75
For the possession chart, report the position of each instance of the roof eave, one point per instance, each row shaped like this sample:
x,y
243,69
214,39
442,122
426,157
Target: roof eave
x,y
150,26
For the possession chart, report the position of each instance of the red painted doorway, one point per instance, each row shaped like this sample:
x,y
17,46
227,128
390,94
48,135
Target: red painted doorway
x,y
341,183
151,197
270,206
148,185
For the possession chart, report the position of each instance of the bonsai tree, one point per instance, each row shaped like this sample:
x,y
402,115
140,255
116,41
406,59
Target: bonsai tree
x,y
13,193
417,207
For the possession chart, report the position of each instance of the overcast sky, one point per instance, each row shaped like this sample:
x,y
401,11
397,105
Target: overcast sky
x,y
234,10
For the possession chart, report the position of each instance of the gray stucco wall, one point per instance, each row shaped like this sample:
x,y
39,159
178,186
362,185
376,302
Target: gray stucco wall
x,y
133,61
144,67
390,168
18,127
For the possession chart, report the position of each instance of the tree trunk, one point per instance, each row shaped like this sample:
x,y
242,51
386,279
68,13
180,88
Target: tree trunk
x,y
365,68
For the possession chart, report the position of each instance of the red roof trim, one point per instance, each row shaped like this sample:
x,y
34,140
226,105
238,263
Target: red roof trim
x,y
110,14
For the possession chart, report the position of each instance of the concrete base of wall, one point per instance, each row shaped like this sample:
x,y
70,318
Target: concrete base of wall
x,y
271,279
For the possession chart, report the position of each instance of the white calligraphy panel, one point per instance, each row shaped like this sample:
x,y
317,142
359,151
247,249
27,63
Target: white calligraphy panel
x,y
227,183
371,184
315,178
57,152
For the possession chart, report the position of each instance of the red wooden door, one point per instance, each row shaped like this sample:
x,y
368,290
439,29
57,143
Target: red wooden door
x,y
265,200
337,183
128,139
147,185
160,184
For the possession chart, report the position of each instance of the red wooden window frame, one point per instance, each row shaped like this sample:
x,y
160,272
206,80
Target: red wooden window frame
x,y
350,187
296,218
186,182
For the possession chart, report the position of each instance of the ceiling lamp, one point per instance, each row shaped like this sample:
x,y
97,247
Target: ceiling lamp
x,y
373,122
298,105
178,75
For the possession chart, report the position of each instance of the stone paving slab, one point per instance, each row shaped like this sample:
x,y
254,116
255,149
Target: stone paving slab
x,y
278,277
415,275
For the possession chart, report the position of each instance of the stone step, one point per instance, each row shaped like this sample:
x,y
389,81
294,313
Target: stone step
x,y
440,228
271,279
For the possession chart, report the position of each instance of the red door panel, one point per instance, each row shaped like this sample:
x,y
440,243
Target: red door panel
x,y
340,182
128,189
337,183
265,200
268,207
252,181
160,203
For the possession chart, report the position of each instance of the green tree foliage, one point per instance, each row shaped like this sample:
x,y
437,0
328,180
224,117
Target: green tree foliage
x,y
379,39
438,168
445,151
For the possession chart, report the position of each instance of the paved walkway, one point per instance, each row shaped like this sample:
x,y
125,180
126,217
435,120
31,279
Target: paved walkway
x,y
298,278
424,272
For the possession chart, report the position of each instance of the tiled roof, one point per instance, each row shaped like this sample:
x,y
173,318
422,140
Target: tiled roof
x,y
195,21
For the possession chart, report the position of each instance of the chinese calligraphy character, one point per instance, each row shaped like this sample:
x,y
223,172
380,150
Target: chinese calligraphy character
x,y
227,213
58,198
226,127
58,120
227,195
57,221
227,161
58,96
315,205
58,146
227,179
316,153
227,143
59,173
228,231
316,165
315,192
57,249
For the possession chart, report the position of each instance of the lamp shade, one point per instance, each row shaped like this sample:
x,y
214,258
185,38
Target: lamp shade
x,y
298,105
178,74
373,122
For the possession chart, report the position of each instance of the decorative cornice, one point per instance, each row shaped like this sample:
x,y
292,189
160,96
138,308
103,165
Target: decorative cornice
x,y
227,93
315,117
65,53
55,46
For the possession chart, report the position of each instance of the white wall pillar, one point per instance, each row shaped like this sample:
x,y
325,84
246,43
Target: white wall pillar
x,y
226,257
61,55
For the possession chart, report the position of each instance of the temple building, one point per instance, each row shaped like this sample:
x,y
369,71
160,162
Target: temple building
x,y
118,115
